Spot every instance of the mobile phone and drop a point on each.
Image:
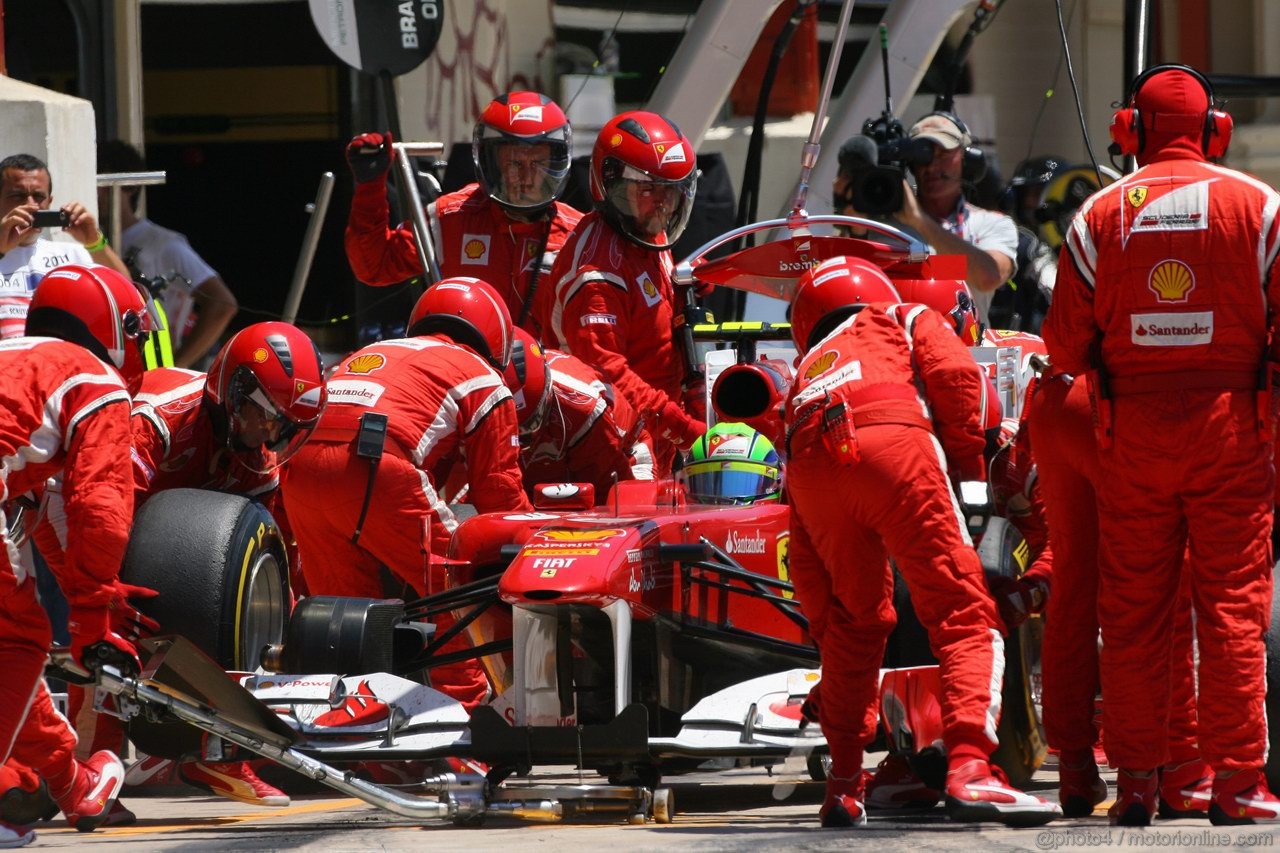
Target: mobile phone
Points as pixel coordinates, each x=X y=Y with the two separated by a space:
x=50 y=219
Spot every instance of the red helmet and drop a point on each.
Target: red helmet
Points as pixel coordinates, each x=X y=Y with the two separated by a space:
x=529 y=380
x=830 y=292
x=470 y=312
x=276 y=367
x=521 y=147
x=99 y=309
x=643 y=177
x=949 y=297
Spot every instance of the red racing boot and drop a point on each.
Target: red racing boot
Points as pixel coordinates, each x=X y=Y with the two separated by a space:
x=1136 y=797
x=843 y=808
x=1242 y=797
x=1185 y=789
x=896 y=785
x=87 y=800
x=1080 y=788
x=978 y=791
x=234 y=780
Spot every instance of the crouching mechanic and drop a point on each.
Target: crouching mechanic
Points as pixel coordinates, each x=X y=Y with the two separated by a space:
x=882 y=407
x=363 y=493
x=65 y=411
x=573 y=427
x=226 y=431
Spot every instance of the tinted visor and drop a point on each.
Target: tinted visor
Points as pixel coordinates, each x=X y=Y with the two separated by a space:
x=652 y=212
x=264 y=437
x=523 y=173
x=738 y=482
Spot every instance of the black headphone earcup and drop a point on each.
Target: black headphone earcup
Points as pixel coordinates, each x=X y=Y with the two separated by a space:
x=974 y=165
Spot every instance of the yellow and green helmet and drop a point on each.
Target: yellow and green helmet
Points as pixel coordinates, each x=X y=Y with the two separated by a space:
x=731 y=464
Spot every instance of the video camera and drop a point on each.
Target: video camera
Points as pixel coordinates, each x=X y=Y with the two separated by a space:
x=876 y=162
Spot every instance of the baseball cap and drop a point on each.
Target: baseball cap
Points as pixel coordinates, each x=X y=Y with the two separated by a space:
x=941 y=130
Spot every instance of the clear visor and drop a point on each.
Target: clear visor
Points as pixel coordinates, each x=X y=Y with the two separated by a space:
x=523 y=173
x=653 y=212
x=533 y=421
x=264 y=437
x=739 y=482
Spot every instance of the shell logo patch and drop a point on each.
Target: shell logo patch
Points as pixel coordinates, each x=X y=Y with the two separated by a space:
x=650 y=290
x=260 y=355
x=475 y=249
x=821 y=365
x=580 y=535
x=1136 y=195
x=525 y=112
x=615 y=140
x=1172 y=281
x=366 y=363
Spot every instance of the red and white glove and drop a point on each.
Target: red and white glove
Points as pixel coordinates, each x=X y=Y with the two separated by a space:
x=128 y=621
x=369 y=155
x=1018 y=599
x=94 y=644
x=677 y=427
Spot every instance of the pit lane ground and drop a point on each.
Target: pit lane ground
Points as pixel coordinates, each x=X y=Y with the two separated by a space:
x=733 y=811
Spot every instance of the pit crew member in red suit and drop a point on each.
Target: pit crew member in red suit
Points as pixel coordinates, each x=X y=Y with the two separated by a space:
x=573 y=428
x=66 y=412
x=882 y=411
x=1167 y=294
x=444 y=400
x=611 y=302
x=505 y=230
x=226 y=431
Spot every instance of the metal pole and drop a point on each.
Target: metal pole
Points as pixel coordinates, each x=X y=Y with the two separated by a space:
x=115 y=182
x=417 y=214
x=310 y=239
x=809 y=157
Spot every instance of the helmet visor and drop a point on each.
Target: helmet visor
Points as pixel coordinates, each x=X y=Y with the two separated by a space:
x=523 y=173
x=739 y=482
x=263 y=436
x=652 y=212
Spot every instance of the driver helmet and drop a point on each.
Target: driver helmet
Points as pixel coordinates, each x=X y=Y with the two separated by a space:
x=521 y=148
x=99 y=309
x=644 y=174
x=731 y=464
x=265 y=392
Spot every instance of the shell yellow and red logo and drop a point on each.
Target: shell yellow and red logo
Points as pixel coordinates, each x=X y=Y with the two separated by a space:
x=821 y=365
x=579 y=535
x=474 y=249
x=615 y=140
x=1172 y=281
x=366 y=363
x=260 y=355
x=647 y=285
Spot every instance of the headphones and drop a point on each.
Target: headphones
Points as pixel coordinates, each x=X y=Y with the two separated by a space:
x=1129 y=128
x=974 y=164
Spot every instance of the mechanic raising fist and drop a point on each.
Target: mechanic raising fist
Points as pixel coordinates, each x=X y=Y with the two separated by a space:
x=506 y=229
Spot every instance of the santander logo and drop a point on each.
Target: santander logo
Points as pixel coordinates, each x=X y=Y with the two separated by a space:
x=739 y=543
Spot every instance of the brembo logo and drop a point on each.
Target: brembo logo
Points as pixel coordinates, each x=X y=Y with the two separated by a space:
x=797 y=266
x=739 y=543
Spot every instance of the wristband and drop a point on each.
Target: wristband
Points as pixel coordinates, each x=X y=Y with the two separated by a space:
x=97 y=245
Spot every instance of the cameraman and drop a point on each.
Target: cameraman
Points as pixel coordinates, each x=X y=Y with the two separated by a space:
x=938 y=213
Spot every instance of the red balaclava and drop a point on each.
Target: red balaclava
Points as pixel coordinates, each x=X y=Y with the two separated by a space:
x=1179 y=102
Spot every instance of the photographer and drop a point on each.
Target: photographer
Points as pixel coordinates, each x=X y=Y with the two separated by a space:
x=936 y=211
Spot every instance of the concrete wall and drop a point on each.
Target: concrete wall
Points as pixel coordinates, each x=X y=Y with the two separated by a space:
x=58 y=129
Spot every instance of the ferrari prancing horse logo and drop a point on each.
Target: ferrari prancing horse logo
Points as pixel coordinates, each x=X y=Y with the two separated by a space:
x=1136 y=195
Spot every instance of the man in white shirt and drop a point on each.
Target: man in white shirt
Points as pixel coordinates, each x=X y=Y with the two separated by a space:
x=198 y=305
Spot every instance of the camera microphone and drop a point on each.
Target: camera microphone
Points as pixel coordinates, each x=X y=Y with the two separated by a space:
x=858 y=151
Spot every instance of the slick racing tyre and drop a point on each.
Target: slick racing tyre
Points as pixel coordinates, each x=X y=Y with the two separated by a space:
x=218 y=562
